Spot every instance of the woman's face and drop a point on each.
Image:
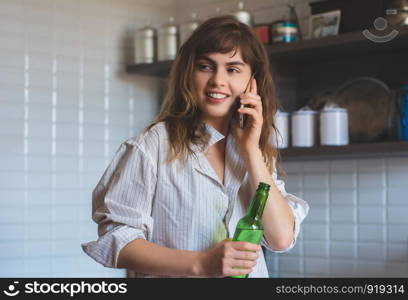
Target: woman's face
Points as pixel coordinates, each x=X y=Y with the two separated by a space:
x=219 y=79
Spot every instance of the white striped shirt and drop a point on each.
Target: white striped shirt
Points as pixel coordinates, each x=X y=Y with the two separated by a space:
x=142 y=196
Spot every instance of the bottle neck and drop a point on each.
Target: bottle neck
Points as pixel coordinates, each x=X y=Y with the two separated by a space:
x=258 y=203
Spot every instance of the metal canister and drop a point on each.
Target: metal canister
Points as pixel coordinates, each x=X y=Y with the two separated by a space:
x=242 y=15
x=168 y=41
x=145 y=44
x=186 y=29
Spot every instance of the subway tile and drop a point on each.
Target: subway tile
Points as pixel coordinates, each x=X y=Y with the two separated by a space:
x=37 y=248
x=40 y=196
x=94 y=148
x=12 y=8
x=316 y=249
x=343 y=250
x=12 y=267
x=40 y=266
x=371 y=196
x=11 y=180
x=38 y=41
x=67 y=196
x=371 y=251
x=66 y=214
x=291 y=265
x=371 y=214
x=343 y=214
x=343 y=232
x=41 y=62
x=371 y=180
x=66 y=180
x=40 y=129
x=36 y=163
x=316 y=232
x=397 y=252
x=343 y=166
x=315 y=181
x=13 y=145
x=370 y=269
x=68 y=81
x=67 y=147
x=343 y=180
x=40 y=113
x=10 y=58
x=11 y=232
x=65 y=230
x=11 y=94
x=69 y=50
x=397 y=233
x=318 y=214
x=342 y=267
x=39 y=146
x=371 y=233
x=38 y=95
x=64 y=247
x=397 y=164
x=38 y=180
x=41 y=79
x=293 y=181
x=12 y=111
x=397 y=178
x=38 y=214
x=67 y=131
x=317 y=266
x=11 y=162
x=340 y=197
x=37 y=231
x=90 y=179
x=294 y=167
x=66 y=65
x=11 y=197
x=11 y=41
x=11 y=249
x=68 y=98
x=399 y=269
x=316 y=166
x=375 y=165
x=66 y=164
x=12 y=76
x=65 y=264
x=397 y=195
x=397 y=214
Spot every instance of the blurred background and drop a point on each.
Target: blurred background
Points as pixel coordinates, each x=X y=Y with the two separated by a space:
x=72 y=88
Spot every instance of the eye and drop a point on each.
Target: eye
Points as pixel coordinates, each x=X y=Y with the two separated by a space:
x=233 y=70
x=204 y=67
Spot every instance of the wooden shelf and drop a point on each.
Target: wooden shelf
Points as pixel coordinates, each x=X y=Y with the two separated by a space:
x=368 y=150
x=332 y=47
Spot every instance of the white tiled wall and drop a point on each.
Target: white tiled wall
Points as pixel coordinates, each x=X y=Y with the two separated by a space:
x=358 y=220
x=65 y=106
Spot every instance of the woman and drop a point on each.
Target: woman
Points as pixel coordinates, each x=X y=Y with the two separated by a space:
x=171 y=198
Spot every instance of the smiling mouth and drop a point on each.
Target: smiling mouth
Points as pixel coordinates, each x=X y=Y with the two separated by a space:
x=216 y=97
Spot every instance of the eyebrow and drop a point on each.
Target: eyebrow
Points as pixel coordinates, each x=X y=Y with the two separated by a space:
x=230 y=63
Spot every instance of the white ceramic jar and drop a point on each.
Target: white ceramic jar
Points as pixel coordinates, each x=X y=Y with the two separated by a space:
x=304 y=128
x=334 y=126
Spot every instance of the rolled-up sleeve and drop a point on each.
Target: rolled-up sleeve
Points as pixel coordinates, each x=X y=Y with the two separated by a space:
x=122 y=204
x=299 y=208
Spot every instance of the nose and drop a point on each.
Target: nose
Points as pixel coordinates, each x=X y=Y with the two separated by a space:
x=219 y=78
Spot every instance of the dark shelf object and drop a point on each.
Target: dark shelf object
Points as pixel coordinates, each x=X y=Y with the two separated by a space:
x=158 y=69
x=369 y=150
x=339 y=46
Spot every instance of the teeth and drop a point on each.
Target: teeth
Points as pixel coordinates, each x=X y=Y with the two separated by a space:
x=216 y=95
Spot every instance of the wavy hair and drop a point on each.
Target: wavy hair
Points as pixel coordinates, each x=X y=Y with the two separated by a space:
x=179 y=109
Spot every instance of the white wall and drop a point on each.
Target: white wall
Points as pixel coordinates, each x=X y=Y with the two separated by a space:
x=65 y=106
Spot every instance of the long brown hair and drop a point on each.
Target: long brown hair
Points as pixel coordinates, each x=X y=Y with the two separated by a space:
x=179 y=110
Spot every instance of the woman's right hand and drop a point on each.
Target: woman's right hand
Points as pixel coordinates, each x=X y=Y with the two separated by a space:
x=228 y=258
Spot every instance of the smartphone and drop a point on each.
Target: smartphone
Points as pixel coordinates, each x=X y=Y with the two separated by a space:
x=242 y=117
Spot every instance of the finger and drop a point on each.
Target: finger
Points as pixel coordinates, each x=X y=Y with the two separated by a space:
x=254 y=87
x=250 y=95
x=246 y=255
x=251 y=112
x=254 y=103
x=243 y=264
x=246 y=246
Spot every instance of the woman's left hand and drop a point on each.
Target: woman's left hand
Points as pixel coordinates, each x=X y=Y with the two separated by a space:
x=247 y=138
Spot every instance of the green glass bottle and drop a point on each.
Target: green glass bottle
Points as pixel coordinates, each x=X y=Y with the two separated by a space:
x=250 y=227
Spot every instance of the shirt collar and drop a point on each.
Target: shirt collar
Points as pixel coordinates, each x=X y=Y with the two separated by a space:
x=215 y=135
